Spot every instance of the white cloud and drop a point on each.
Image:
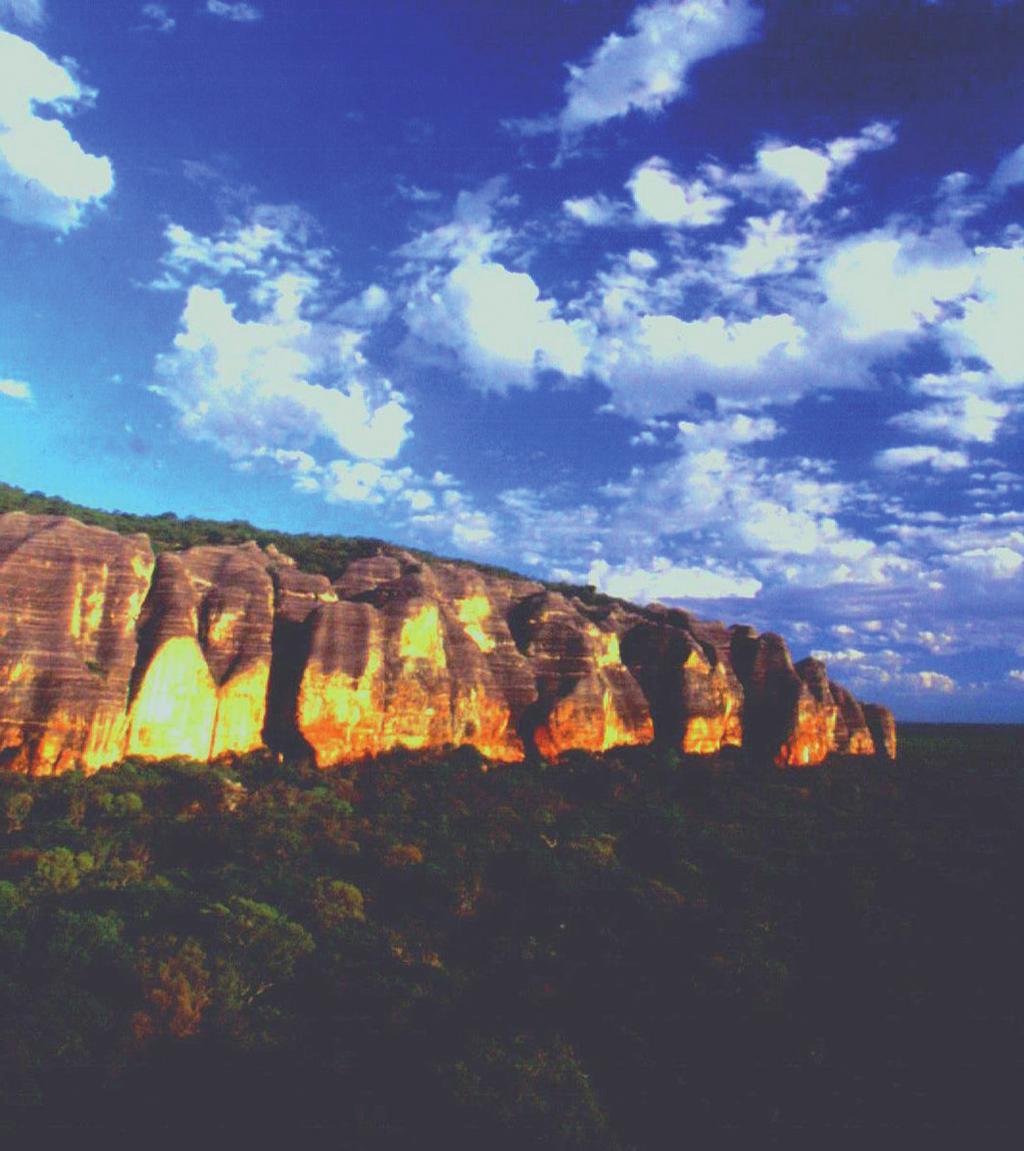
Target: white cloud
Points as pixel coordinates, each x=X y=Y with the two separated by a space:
x=886 y=283
x=1015 y=675
x=46 y=178
x=658 y=363
x=665 y=580
x=456 y=519
x=929 y=681
x=278 y=381
x=918 y=455
x=969 y=418
x=15 y=389
x=159 y=19
x=360 y=481
x=273 y=239
x=993 y=563
x=641 y=260
x=730 y=430
x=990 y=325
x=1010 y=171
x=661 y=198
x=414 y=194
x=806 y=169
x=594 y=211
x=28 y=12
x=471 y=231
x=496 y=322
x=372 y=306
x=647 y=69
x=771 y=247
x=810 y=171
x=238 y=12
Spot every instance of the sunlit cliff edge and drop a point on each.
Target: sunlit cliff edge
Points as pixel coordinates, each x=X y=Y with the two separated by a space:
x=108 y=650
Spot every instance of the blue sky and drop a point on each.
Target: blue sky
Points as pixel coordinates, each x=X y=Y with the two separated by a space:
x=716 y=302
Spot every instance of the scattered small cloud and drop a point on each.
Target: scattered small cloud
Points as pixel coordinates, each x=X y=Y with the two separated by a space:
x=664 y=580
x=647 y=69
x=238 y=12
x=595 y=211
x=158 y=18
x=414 y=194
x=662 y=198
x=15 y=390
x=921 y=455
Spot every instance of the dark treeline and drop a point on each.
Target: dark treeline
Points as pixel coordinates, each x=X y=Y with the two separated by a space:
x=327 y=555
x=627 y=951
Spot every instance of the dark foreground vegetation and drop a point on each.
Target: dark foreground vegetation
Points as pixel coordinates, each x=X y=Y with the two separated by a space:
x=620 y=952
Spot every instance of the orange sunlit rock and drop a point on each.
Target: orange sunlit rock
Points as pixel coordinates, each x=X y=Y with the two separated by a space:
x=70 y=598
x=695 y=700
x=217 y=651
x=587 y=698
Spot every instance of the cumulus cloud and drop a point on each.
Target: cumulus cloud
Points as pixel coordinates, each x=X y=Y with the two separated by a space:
x=921 y=455
x=31 y=13
x=810 y=171
x=989 y=325
x=497 y=323
x=237 y=12
x=662 y=198
x=276 y=380
x=460 y=298
x=46 y=178
x=664 y=580
x=889 y=283
x=967 y=418
x=647 y=68
x=657 y=363
x=993 y=563
x=15 y=389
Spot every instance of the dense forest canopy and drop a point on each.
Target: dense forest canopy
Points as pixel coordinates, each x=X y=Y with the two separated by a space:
x=613 y=953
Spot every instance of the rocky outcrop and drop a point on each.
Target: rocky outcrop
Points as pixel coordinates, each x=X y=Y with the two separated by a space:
x=204 y=654
x=586 y=698
x=106 y=651
x=882 y=725
x=70 y=599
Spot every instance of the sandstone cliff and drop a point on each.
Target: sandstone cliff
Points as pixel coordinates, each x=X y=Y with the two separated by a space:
x=107 y=651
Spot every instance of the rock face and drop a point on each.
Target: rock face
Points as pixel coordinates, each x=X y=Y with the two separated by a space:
x=70 y=599
x=204 y=652
x=106 y=651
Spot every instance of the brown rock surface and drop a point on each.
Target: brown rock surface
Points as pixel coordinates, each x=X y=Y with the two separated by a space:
x=853 y=737
x=200 y=683
x=696 y=701
x=214 y=651
x=783 y=716
x=586 y=697
x=882 y=725
x=70 y=598
x=419 y=656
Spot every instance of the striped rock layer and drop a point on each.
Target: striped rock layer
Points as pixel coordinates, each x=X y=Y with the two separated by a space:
x=107 y=651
